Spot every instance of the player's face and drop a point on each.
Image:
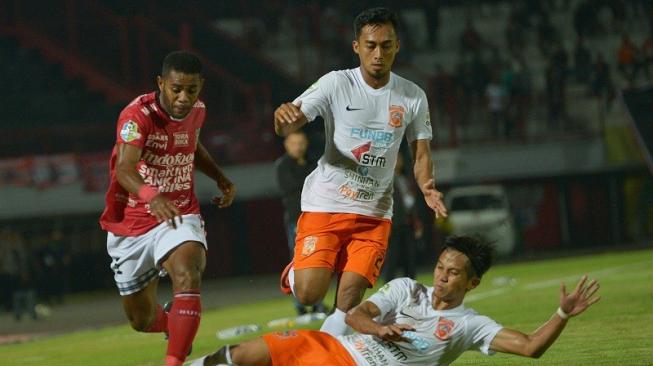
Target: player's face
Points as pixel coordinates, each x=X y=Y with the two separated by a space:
x=376 y=47
x=296 y=145
x=450 y=278
x=179 y=92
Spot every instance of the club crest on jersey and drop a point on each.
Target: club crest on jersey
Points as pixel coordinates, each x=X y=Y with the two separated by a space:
x=129 y=131
x=443 y=329
x=396 y=115
x=309 y=245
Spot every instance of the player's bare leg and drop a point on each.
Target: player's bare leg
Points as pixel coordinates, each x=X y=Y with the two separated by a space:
x=311 y=284
x=349 y=293
x=141 y=307
x=185 y=265
x=251 y=353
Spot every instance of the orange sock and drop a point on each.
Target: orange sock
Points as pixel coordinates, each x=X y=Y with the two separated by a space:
x=183 y=321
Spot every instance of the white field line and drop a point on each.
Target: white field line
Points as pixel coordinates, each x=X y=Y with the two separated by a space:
x=486 y=294
x=556 y=281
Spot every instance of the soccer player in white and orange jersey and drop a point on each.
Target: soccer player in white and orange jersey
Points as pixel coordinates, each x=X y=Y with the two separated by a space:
x=152 y=215
x=407 y=323
x=347 y=199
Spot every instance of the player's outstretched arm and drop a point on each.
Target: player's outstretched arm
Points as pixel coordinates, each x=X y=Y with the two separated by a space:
x=288 y=118
x=423 y=171
x=204 y=163
x=127 y=158
x=361 y=319
x=535 y=344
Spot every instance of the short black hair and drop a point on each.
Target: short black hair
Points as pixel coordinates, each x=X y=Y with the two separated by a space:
x=480 y=253
x=181 y=61
x=375 y=16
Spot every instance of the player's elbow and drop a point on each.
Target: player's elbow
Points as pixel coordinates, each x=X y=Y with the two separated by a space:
x=534 y=352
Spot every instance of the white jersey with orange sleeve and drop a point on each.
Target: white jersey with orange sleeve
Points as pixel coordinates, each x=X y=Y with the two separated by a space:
x=439 y=338
x=364 y=129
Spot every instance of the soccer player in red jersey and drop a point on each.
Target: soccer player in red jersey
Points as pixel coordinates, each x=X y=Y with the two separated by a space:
x=152 y=216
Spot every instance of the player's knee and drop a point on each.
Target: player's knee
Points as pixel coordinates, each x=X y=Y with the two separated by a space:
x=186 y=278
x=308 y=294
x=140 y=323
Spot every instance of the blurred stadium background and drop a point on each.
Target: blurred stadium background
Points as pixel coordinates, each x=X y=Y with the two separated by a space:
x=570 y=150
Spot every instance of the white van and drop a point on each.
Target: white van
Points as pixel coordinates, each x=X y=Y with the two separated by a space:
x=484 y=211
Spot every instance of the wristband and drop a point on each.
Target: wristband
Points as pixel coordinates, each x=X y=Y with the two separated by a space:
x=147 y=192
x=561 y=313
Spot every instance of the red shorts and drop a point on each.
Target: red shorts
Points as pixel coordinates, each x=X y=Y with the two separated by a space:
x=342 y=242
x=306 y=348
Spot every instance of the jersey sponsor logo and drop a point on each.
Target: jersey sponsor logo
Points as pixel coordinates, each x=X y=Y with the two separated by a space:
x=181 y=202
x=361 y=180
x=309 y=245
x=443 y=329
x=169 y=178
x=349 y=108
x=129 y=131
x=396 y=115
x=157 y=141
x=355 y=193
x=167 y=159
x=364 y=157
x=378 y=137
x=181 y=139
x=373 y=352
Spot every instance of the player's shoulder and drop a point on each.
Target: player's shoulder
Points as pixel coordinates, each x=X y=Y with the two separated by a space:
x=140 y=108
x=408 y=284
x=408 y=87
x=473 y=318
x=340 y=77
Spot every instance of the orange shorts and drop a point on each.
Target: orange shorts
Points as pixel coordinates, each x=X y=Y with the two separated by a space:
x=306 y=348
x=342 y=242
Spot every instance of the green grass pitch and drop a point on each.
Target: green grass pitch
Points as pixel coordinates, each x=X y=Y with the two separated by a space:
x=618 y=330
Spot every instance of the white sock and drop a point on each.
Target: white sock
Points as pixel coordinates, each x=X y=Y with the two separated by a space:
x=334 y=324
x=291 y=279
x=198 y=362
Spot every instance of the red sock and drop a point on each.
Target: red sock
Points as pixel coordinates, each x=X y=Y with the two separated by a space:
x=183 y=321
x=160 y=322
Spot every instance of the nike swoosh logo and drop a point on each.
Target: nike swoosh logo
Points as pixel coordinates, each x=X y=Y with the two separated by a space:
x=353 y=109
x=406 y=315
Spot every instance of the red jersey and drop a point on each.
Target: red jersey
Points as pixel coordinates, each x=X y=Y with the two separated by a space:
x=168 y=150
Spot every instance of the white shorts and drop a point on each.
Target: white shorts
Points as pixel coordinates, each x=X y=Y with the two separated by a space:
x=136 y=258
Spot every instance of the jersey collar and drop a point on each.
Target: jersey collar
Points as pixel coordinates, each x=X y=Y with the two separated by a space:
x=369 y=89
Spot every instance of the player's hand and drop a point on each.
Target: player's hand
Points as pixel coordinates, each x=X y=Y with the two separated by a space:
x=228 y=190
x=287 y=114
x=393 y=332
x=164 y=210
x=433 y=199
x=581 y=298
